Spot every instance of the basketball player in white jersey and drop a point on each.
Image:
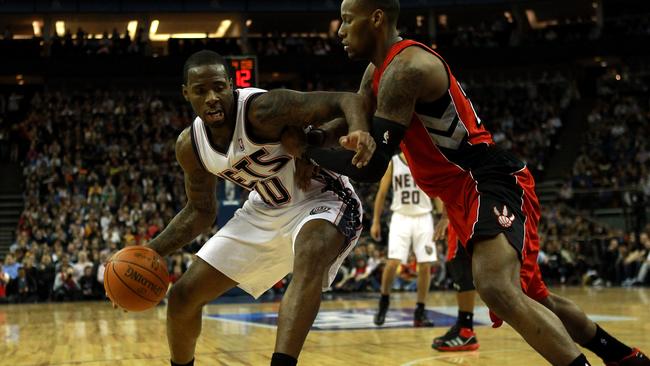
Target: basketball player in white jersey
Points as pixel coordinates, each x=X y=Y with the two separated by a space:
x=280 y=229
x=411 y=225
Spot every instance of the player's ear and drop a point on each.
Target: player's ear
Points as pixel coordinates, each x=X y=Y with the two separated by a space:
x=185 y=93
x=377 y=17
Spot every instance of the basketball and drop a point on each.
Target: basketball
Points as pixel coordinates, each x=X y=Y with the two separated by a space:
x=136 y=278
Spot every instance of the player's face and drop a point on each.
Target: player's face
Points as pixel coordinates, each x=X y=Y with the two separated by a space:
x=209 y=91
x=356 y=30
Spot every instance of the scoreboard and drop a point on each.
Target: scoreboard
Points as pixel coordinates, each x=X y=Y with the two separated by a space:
x=244 y=71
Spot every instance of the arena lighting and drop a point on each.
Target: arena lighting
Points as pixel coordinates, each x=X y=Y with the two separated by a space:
x=154 y=26
x=60 y=28
x=249 y=22
x=131 y=28
x=223 y=28
x=186 y=35
x=38 y=31
x=221 y=31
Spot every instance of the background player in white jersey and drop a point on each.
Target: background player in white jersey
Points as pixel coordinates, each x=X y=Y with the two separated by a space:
x=411 y=225
x=279 y=229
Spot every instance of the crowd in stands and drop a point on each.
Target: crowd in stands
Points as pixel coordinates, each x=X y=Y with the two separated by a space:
x=488 y=34
x=525 y=112
x=575 y=250
x=615 y=151
x=108 y=44
x=100 y=174
x=495 y=32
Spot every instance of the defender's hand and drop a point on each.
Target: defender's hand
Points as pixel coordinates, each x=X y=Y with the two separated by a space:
x=361 y=142
x=294 y=141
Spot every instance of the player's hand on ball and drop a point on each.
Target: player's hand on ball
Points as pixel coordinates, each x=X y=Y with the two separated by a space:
x=304 y=172
x=294 y=141
x=362 y=143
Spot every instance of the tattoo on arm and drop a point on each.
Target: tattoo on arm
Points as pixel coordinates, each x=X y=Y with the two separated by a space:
x=398 y=92
x=200 y=210
x=287 y=107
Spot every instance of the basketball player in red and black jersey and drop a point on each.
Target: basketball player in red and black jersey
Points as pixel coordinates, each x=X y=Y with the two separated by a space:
x=420 y=107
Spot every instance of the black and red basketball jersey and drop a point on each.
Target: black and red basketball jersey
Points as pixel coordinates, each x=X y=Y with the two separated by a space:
x=446 y=140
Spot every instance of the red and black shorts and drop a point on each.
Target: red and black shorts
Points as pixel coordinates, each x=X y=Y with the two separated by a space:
x=502 y=203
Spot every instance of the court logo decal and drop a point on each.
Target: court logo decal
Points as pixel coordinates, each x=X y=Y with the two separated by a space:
x=357 y=319
x=348 y=319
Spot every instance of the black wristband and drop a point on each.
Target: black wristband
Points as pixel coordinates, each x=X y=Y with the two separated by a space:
x=387 y=134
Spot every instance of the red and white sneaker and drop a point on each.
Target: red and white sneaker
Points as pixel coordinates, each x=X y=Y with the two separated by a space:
x=636 y=358
x=455 y=340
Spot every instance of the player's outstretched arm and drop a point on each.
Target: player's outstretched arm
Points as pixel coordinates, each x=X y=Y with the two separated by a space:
x=401 y=85
x=199 y=212
x=271 y=112
x=380 y=198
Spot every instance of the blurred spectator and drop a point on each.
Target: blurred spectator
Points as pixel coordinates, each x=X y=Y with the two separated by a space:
x=22 y=288
x=88 y=284
x=65 y=287
x=4 y=281
x=11 y=266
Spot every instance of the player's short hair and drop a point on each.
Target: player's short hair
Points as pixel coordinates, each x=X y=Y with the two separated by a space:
x=204 y=57
x=390 y=8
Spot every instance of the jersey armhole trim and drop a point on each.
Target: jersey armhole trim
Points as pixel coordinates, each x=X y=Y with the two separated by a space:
x=196 y=148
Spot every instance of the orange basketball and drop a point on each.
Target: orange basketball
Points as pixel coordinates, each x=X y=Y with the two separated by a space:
x=136 y=278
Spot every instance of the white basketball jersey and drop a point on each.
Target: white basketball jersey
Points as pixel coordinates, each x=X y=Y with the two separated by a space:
x=266 y=169
x=408 y=198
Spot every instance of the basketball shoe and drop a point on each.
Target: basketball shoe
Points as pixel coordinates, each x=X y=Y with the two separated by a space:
x=420 y=318
x=456 y=339
x=380 y=316
x=636 y=358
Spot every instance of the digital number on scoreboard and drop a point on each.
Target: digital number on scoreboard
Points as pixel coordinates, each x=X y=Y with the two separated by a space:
x=244 y=69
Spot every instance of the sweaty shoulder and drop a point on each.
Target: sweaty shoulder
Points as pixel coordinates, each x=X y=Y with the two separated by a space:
x=422 y=69
x=185 y=153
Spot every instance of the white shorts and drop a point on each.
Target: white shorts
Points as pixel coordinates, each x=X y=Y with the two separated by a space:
x=256 y=247
x=406 y=230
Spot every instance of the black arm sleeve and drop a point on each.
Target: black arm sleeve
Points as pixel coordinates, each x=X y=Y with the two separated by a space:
x=387 y=135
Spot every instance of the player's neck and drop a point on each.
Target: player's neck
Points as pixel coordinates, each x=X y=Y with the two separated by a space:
x=382 y=50
x=221 y=135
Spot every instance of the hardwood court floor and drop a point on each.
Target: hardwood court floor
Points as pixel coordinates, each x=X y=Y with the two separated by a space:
x=93 y=334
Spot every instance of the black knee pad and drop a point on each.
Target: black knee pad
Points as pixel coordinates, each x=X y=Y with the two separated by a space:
x=460 y=268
